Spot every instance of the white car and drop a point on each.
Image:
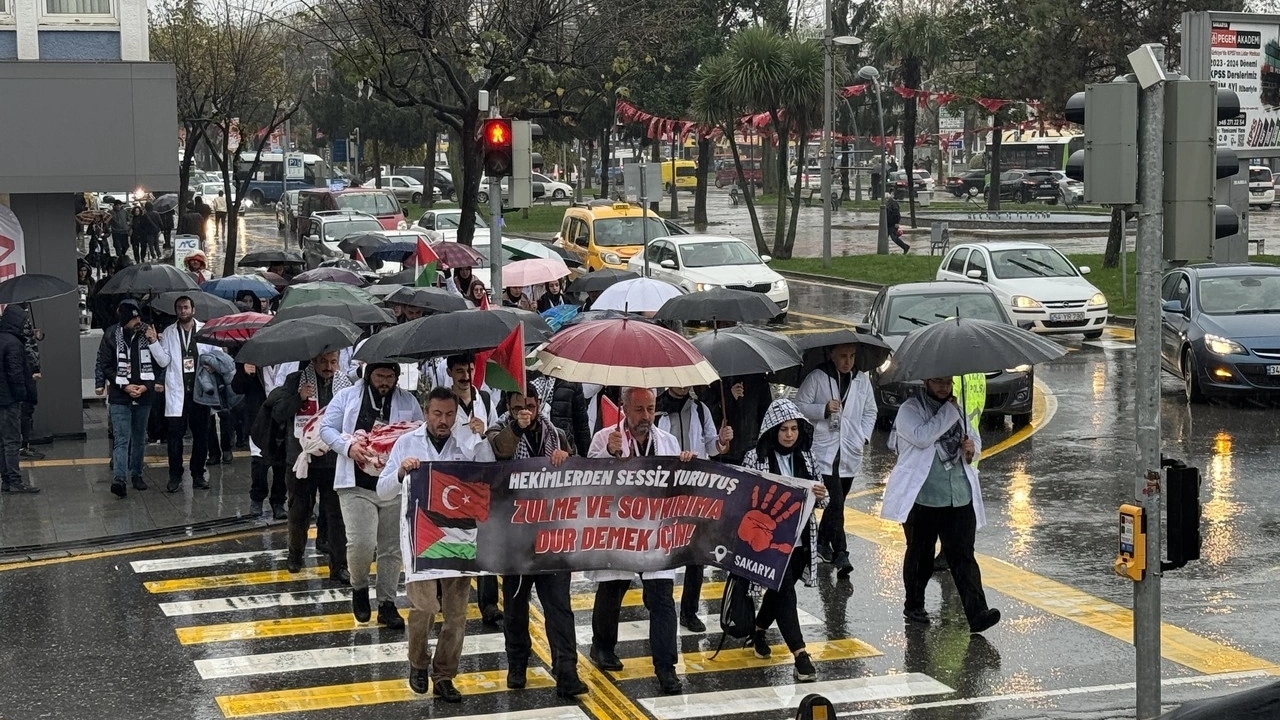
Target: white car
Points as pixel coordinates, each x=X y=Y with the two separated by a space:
x=1043 y=291
x=407 y=189
x=703 y=262
x=1262 y=189
x=556 y=189
x=210 y=190
x=446 y=220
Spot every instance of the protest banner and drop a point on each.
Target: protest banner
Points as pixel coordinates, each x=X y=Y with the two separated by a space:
x=637 y=514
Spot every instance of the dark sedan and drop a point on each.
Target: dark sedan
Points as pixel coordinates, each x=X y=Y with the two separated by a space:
x=971 y=183
x=1025 y=186
x=1221 y=329
x=899 y=309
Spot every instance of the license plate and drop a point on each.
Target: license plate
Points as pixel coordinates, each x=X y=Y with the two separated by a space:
x=1065 y=317
x=1273 y=369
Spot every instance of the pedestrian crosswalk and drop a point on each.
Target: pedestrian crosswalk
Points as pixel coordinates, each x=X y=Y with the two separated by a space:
x=267 y=642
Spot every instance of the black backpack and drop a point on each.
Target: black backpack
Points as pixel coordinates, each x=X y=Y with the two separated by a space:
x=737 y=611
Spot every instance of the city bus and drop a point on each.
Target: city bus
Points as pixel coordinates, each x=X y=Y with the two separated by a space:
x=1037 y=152
x=267 y=184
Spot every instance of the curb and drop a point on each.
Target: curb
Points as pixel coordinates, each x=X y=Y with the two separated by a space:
x=147 y=538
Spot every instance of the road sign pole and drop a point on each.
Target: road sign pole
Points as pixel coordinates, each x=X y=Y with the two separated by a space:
x=1150 y=250
x=495 y=238
x=644 y=211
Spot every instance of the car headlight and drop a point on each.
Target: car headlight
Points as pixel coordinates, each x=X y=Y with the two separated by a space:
x=705 y=286
x=1098 y=300
x=1219 y=345
x=611 y=258
x=780 y=285
x=1018 y=369
x=1022 y=301
x=402 y=225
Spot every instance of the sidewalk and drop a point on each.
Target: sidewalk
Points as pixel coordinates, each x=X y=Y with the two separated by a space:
x=75 y=508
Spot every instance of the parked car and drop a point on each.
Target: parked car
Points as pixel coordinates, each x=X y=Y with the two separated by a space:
x=287 y=213
x=406 y=188
x=1075 y=187
x=1262 y=189
x=443 y=181
x=322 y=230
x=971 y=183
x=727 y=173
x=381 y=204
x=1220 y=329
x=899 y=309
x=445 y=221
x=604 y=234
x=1042 y=289
x=537 y=189
x=1024 y=186
x=704 y=262
x=922 y=179
x=556 y=189
x=208 y=191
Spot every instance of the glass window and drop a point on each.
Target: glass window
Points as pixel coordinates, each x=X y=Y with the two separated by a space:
x=956 y=265
x=654 y=252
x=713 y=254
x=1030 y=263
x=667 y=252
x=1166 y=287
x=911 y=312
x=343 y=228
x=977 y=261
x=373 y=203
x=1239 y=294
x=1256 y=174
x=77 y=7
x=621 y=232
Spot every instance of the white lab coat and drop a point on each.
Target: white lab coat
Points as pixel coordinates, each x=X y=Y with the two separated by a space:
x=466 y=439
x=167 y=351
x=339 y=425
x=702 y=438
x=664 y=444
x=273 y=376
x=915 y=437
x=415 y=444
x=857 y=420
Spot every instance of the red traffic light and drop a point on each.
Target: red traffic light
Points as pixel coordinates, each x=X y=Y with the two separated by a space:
x=495 y=144
x=496 y=133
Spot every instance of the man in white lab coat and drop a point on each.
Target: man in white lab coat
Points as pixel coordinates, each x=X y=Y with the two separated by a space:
x=636 y=436
x=838 y=400
x=179 y=354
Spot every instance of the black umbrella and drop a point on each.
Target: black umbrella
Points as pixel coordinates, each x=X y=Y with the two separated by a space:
x=208 y=305
x=437 y=336
x=1260 y=703
x=364 y=242
x=408 y=277
x=964 y=345
x=599 y=280
x=358 y=314
x=432 y=299
x=297 y=340
x=536 y=329
x=871 y=354
x=741 y=354
x=267 y=258
x=719 y=304
x=148 y=279
x=354 y=266
x=165 y=203
x=31 y=287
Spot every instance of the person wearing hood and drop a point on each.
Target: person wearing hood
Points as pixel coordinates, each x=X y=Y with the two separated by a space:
x=372 y=522
x=16 y=376
x=196 y=264
x=838 y=400
x=786 y=437
x=553 y=297
x=933 y=491
x=126 y=374
x=514 y=297
x=178 y=353
x=461 y=281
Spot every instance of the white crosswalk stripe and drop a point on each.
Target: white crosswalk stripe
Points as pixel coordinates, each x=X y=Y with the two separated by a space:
x=200 y=561
x=785 y=697
x=260 y=602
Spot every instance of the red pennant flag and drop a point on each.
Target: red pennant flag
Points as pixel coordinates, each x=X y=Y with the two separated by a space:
x=428 y=263
x=484 y=301
x=449 y=497
x=992 y=105
x=610 y=415
x=425 y=533
x=503 y=366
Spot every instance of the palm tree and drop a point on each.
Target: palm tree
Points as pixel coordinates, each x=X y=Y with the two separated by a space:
x=802 y=97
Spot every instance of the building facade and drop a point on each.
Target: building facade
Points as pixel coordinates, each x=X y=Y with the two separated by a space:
x=83 y=30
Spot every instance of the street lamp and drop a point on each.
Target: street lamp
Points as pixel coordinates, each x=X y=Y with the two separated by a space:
x=872 y=75
x=829 y=43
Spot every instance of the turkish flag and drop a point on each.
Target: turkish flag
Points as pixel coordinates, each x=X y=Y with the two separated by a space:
x=449 y=497
x=610 y=415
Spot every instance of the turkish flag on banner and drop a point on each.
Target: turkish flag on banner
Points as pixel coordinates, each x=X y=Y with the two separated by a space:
x=449 y=497
x=13 y=256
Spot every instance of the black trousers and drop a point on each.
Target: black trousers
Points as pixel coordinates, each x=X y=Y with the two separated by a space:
x=780 y=605
x=28 y=421
x=487 y=591
x=658 y=601
x=196 y=416
x=121 y=241
x=258 y=491
x=302 y=496
x=893 y=235
x=956 y=526
x=692 y=595
x=553 y=593
x=831 y=528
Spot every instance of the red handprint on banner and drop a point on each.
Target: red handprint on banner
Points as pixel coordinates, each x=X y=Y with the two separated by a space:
x=760 y=523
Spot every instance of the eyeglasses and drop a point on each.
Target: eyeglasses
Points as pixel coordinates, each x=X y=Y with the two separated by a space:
x=531 y=405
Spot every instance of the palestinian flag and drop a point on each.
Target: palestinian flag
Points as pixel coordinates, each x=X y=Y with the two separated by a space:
x=437 y=543
x=503 y=366
x=427 y=262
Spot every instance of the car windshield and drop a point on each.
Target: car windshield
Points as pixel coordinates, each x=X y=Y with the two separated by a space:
x=1030 y=263
x=212 y=189
x=373 y=203
x=912 y=312
x=624 y=231
x=1240 y=295
x=1260 y=175
x=449 y=221
x=712 y=254
x=342 y=228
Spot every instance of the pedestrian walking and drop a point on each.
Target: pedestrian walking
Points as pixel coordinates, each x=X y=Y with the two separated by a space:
x=154 y=226
x=934 y=492
x=15 y=379
x=786 y=437
x=893 y=223
x=528 y=434
x=433 y=442
x=248 y=382
x=372 y=522
x=636 y=436
x=838 y=400
x=121 y=226
x=32 y=336
x=178 y=353
x=220 y=213
x=126 y=374
x=138 y=234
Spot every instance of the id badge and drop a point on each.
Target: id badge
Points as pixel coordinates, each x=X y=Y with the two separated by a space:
x=188 y=365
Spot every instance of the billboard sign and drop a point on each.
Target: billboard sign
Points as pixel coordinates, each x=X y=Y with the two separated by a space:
x=1240 y=52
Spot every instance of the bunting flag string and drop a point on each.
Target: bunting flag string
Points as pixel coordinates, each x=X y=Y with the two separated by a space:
x=991 y=105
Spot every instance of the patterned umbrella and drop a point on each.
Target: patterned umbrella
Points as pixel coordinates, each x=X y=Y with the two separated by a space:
x=625 y=353
x=232 y=330
x=231 y=286
x=456 y=255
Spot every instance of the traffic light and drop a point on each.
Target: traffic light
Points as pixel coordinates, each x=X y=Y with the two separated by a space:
x=1182 y=496
x=1192 y=166
x=1108 y=165
x=495 y=142
x=520 y=194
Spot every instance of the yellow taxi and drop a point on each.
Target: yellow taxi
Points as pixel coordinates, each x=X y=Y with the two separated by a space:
x=605 y=234
x=685 y=172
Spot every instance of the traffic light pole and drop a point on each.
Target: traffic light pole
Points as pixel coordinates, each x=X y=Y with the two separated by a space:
x=495 y=238
x=1150 y=250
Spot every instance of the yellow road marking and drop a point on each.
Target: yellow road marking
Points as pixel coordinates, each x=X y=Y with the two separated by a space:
x=824 y=318
x=150 y=461
x=128 y=551
x=262 y=577
x=1044 y=405
x=283 y=627
x=604 y=700
x=1121 y=333
x=745 y=658
x=635 y=597
x=328 y=697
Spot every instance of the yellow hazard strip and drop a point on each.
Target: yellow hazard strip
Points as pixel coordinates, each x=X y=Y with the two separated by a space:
x=635 y=597
x=745 y=658
x=822 y=318
x=150 y=461
x=1178 y=645
x=329 y=697
x=1121 y=333
x=283 y=627
x=263 y=577
x=1044 y=405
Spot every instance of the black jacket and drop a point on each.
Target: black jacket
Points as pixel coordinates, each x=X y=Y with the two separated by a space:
x=285 y=402
x=14 y=375
x=744 y=415
x=569 y=413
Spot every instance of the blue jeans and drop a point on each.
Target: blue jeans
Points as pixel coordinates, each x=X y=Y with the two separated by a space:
x=129 y=428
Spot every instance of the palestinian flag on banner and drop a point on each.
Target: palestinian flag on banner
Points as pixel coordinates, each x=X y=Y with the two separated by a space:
x=427 y=263
x=437 y=543
x=503 y=366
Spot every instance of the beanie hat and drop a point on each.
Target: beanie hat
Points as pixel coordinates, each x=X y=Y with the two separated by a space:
x=127 y=311
x=393 y=367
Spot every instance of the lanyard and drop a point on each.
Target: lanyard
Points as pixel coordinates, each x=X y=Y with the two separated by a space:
x=378 y=407
x=635 y=449
x=186 y=336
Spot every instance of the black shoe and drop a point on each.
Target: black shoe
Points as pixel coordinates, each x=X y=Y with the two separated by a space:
x=517 y=677
x=387 y=614
x=294 y=564
x=445 y=690
x=669 y=681
x=843 y=567
x=242 y=445
x=214 y=461
x=117 y=488
x=360 y=605
x=255 y=508
x=226 y=458
x=985 y=621
x=804 y=670
x=419 y=680
x=760 y=644
x=693 y=623
x=199 y=483
x=571 y=687
x=605 y=659
x=278 y=512
x=174 y=486
x=139 y=483
x=491 y=616
x=824 y=552
x=919 y=616
x=341 y=576
x=940 y=563
x=27 y=453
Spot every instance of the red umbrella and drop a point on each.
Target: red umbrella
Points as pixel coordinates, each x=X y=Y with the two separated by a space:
x=625 y=353
x=330 y=274
x=232 y=330
x=456 y=255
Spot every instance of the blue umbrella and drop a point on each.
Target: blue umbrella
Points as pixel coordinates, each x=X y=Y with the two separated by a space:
x=232 y=286
x=557 y=316
x=393 y=251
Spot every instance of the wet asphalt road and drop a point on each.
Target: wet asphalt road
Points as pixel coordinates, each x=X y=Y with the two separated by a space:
x=91 y=639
